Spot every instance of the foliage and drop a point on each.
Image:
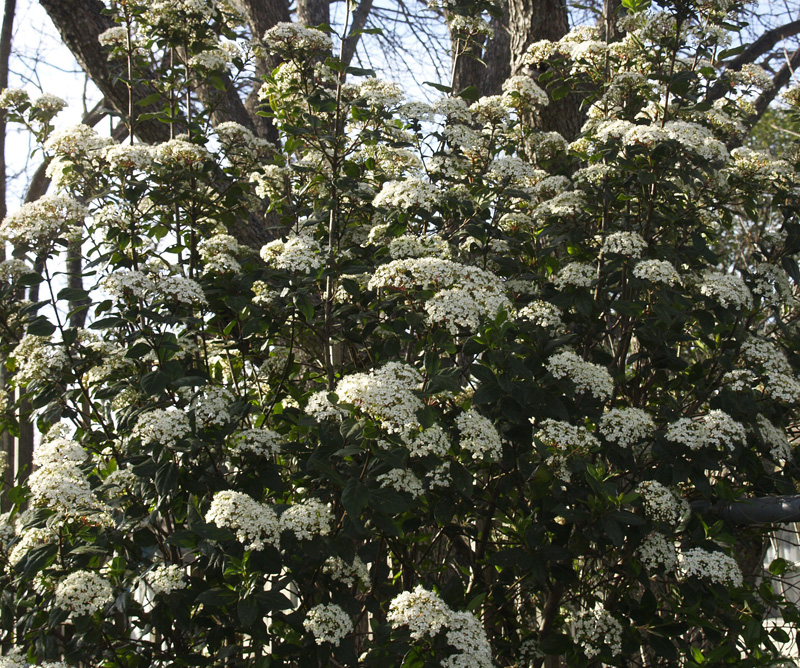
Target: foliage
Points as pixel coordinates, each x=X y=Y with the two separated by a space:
x=453 y=414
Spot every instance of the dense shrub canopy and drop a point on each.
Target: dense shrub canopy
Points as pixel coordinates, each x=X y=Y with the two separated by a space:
x=454 y=414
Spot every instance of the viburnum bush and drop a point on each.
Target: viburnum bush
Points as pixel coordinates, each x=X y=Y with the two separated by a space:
x=463 y=410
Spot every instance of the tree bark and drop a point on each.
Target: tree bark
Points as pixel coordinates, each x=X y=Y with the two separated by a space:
x=80 y=22
x=7 y=445
x=313 y=12
x=530 y=21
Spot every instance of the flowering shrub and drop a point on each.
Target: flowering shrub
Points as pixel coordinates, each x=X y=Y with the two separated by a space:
x=452 y=412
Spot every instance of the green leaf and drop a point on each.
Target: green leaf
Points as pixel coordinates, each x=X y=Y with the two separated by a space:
x=440 y=87
x=355 y=497
x=154 y=382
x=247 y=610
x=73 y=294
x=304 y=305
x=41 y=326
x=560 y=93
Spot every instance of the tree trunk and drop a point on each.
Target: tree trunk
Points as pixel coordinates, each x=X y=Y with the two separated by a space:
x=530 y=21
x=313 y=12
x=6 y=439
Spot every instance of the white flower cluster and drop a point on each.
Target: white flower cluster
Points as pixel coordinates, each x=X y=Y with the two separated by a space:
x=76 y=142
x=775 y=438
x=478 y=435
x=385 y=394
x=29 y=539
x=780 y=383
x=63 y=487
x=748 y=163
x=379 y=93
x=123 y=284
x=211 y=406
x=128 y=157
x=727 y=289
x=661 y=504
x=428 y=245
x=260 y=442
x=254 y=523
x=328 y=622
x=544 y=314
x=408 y=194
x=564 y=440
x=219 y=254
x=430 y=441
x=294 y=36
x=38 y=359
x=402 y=480
x=469 y=25
x=626 y=426
x=575 y=274
x=307 y=519
x=83 y=593
x=656 y=551
x=714 y=429
x=165 y=579
x=565 y=204
x=180 y=153
x=587 y=377
x=37 y=224
x=425 y=614
x=716 y=567
x=465 y=295
x=522 y=92
x=596 y=629
x=300 y=253
x=656 y=271
x=163 y=426
x=55 y=450
x=752 y=76
x=348 y=574
x=629 y=244
x=697 y=139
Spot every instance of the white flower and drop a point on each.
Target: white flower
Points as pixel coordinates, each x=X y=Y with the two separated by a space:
x=775 y=438
x=422 y=611
x=166 y=578
x=39 y=359
x=219 y=254
x=56 y=450
x=300 y=253
x=347 y=574
x=661 y=504
x=478 y=435
x=402 y=480
x=575 y=274
x=379 y=93
x=716 y=567
x=178 y=152
x=386 y=394
x=564 y=440
x=76 y=141
x=430 y=441
x=410 y=193
x=595 y=629
x=328 y=622
x=656 y=271
x=163 y=426
x=254 y=523
x=128 y=156
x=49 y=103
x=429 y=245
x=543 y=314
x=727 y=289
x=180 y=289
x=626 y=426
x=307 y=519
x=586 y=376
x=426 y=614
x=63 y=487
x=657 y=552
x=261 y=442
x=83 y=593
x=629 y=244
x=523 y=92
x=295 y=36
x=211 y=406
x=37 y=224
